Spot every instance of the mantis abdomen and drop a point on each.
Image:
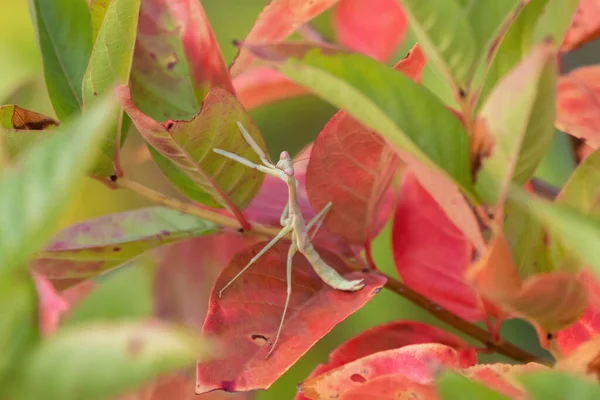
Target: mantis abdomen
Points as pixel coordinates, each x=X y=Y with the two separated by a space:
x=327 y=273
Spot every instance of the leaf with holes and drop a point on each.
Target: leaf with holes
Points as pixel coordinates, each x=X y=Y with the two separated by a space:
x=110 y=65
x=585 y=26
x=42 y=185
x=520 y=126
x=352 y=167
x=246 y=318
x=64 y=35
x=443 y=30
x=276 y=22
x=89 y=248
x=176 y=61
x=430 y=253
x=578 y=104
x=201 y=174
x=405 y=114
x=416 y=362
x=354 y=28
x=390 y=336
x=134 y=352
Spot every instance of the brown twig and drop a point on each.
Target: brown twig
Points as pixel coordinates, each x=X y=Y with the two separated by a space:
x=392 y=284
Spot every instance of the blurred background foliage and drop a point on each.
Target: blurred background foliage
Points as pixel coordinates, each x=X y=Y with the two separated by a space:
x=288 y=125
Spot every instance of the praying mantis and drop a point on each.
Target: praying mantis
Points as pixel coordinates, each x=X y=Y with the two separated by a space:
x=291 y=221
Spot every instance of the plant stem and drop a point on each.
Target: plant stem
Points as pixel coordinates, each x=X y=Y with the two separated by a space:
x=392 y=284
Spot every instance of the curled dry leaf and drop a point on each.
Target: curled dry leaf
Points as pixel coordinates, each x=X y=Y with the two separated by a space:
x=15 y=117
x=584 y=27
x=352 y=167
x=246 y=318
x=386 y=337
x=277 y=21
x=549 y=301
x=587 y=326
x=354 y=27
x=430 y=252
x=419 y=363
x=578 y=104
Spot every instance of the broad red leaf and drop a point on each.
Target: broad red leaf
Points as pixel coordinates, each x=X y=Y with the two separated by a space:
x=176 y=59
x=391 y=387
x=502 y=377
x=584 y=359
x=585 y=25
x=588 y=325
x=550 y=301
x=390 y=336
x=262 y=86
x=51 y=305
x=355 y=26
x=418 y=363
x=578 y=104
x=185 y=150
x=247 y=317
x=430 y=253
x=277 y=21
x=352 y=167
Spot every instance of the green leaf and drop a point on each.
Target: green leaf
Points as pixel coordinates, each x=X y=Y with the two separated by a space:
x=184 y=150
x=453 y=386
x=539 y=20
x=110 y=65
x=64 y=35
x=35 y=193
x=98 y=11
x=446 y=36
x=578 y=233
x=403 y=112
x=101 y=360
x=125 y=292
x=555 y=385
x=519 y=118
x=18 y=322
x=91 y=247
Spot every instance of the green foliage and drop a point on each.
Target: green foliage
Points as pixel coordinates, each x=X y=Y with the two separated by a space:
x=555 y=385
x=453 y=386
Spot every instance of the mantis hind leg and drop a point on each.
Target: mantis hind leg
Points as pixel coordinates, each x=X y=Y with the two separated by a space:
x=291 y=252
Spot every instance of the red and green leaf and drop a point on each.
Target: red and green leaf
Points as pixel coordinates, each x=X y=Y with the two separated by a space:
x=247 y=316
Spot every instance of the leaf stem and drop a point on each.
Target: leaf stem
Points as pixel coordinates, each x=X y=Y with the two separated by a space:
x=392 y=284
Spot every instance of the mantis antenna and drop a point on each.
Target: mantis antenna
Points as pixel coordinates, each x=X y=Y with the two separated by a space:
x=291 y=221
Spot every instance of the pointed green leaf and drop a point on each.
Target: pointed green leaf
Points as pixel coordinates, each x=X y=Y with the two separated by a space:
x=64 y=35
x=519 y=118
x=386 y=101
x=110 y=65
x=446 y=36
x=35 y=193
x=184 y=150
x=555 y=385
x=101 y=360
x=91 y=247
x=98 y=11
x=453 y=386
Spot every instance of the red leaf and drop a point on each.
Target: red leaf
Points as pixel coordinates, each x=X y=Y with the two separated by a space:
x=418 y=363
x=391 y=336
x=430 y=252
x=247 y=317
x=391 y=387
x=578 y=104
x=51 y=305
x=585 y=25
x=277 y=21
x=588 y=325
x=262 y=86
x=353 y=22
x=585 y=359
x=172 y=32
x=502 y=377
x=352 y=167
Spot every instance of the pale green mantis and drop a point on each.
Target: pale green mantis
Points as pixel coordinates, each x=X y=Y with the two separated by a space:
x=291 y=221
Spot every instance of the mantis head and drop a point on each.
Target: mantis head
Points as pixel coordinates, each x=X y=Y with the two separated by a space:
x=285 y=163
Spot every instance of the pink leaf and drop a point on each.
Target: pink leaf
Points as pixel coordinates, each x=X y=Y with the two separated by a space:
x=430 y=252
x=277 y=21
x=585 y=25
x=246 y=318
x=353 y=22
x=258 y=87
x=391 y=336
x=51 y=305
